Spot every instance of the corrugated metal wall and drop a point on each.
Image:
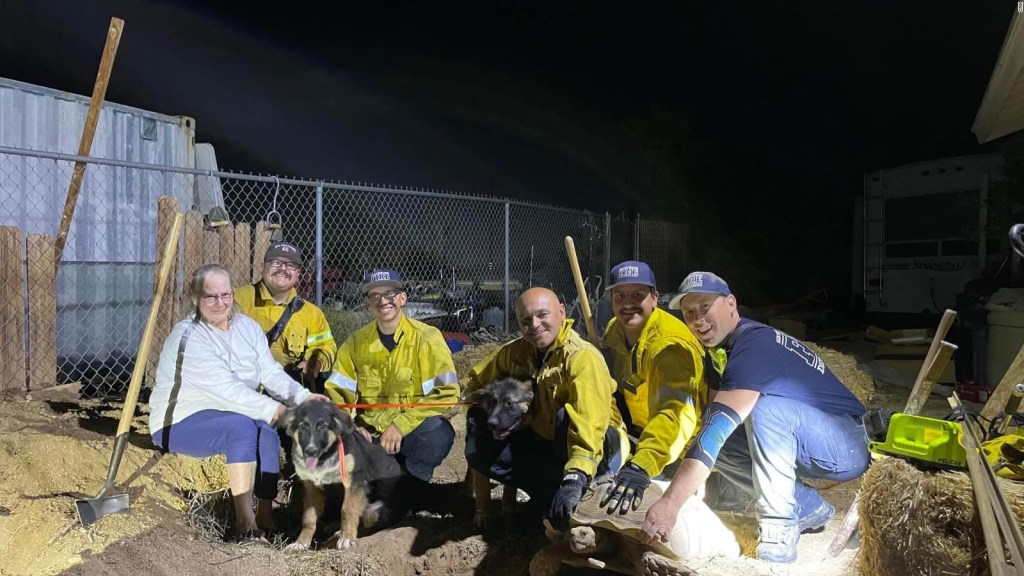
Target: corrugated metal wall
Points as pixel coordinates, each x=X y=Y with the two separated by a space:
x=105 y=281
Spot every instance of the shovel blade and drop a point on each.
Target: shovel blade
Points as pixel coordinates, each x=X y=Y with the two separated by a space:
x=92 y=509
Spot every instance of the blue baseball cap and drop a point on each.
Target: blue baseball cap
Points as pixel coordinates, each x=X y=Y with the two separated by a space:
x=700 y=283
x=381 y=277
x=631 y=272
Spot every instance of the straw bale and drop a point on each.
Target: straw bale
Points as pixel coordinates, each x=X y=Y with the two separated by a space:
x=915 y=522
x=469 y=357
x=845 y=368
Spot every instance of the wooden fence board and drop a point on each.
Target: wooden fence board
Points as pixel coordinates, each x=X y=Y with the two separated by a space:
x=261 y=242
x=12 y=309
x=243 y=261
x=42 y=312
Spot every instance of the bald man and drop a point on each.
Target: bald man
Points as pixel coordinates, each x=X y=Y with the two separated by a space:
x=576 y=432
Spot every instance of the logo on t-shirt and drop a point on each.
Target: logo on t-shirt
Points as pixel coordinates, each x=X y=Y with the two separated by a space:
x=800 y=349
x=629 y=272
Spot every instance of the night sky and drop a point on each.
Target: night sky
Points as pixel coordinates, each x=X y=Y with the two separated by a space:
x=752 y=122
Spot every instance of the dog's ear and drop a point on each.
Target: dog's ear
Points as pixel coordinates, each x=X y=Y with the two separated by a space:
x=474 y=397
x=286 y=420
x=343 y=424
x=527 y=386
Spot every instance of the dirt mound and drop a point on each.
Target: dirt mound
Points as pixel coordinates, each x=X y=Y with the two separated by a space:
x=55 y=448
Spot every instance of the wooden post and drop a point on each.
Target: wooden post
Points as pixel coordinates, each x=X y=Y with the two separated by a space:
x=260 y=244
x=242 y=253
x=227 y=251
x=42 y=312
x=996 y=403
x=12 y=309
x=167 y=214
x=99 y=92
x=919 y=395
x=211 y=247
x=195 y=242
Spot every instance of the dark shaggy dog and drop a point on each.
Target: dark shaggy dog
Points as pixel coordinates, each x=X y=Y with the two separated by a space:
x=317 y=429
x=498 y=409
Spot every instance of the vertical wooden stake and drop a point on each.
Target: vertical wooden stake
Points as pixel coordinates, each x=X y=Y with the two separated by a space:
x=12 y=309
x=42 y=312
x=99 y=92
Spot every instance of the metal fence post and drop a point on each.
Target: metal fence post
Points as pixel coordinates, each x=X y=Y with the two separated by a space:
x=320 y=243
x=607 y=243
x=507 y=263
x=636 y=238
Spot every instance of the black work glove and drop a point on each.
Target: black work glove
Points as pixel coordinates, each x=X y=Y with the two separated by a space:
x=627 y=491
x=568 y=496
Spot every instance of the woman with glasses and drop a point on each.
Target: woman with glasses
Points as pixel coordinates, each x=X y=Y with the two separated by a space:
x=206 y=399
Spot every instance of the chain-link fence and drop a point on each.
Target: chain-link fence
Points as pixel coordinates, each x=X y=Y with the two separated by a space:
x=464 y=258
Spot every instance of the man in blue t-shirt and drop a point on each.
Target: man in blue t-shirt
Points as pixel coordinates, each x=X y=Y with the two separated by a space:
x=791 y=416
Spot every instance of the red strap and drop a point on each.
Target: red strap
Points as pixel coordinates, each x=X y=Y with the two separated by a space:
x=341 y=458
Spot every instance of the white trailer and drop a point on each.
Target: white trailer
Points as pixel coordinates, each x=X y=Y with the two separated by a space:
x=921 y=232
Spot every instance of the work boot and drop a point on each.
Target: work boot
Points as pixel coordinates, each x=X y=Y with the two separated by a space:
x=816 y=520
x=777 y=543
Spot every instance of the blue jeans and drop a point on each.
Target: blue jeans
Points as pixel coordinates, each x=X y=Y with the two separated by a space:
x=426 y=447
x=240 y=438
x=535 y=465
x=784 y=440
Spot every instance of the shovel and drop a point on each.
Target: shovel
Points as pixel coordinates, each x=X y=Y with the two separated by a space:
x=92 y=509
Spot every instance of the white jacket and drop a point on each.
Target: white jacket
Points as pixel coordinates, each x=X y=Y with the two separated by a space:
x=220 y=371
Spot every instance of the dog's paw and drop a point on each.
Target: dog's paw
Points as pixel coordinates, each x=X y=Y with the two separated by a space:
x=373 y=515
x=345 y=543
x=296 y=547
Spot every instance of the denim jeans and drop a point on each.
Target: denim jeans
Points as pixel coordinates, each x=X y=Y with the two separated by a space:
x=784 y=440
x=238 y=437
x=529 y=462
x=426 y=447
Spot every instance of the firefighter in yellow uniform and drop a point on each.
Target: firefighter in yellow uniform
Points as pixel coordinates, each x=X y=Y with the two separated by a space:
x=303 y=345
x=575 y=432
x=398 y=362
x=659 y=367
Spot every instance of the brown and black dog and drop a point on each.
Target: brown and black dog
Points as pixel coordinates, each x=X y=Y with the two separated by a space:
x=316 y=430
x=498 y=409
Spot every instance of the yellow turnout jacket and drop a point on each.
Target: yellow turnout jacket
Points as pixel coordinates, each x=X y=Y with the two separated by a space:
x=662 y=381
x=418 y=370
x=307 y=332
x=572 y=374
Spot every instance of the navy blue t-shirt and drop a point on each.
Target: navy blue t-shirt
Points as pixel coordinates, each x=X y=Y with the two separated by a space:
x=769 y=361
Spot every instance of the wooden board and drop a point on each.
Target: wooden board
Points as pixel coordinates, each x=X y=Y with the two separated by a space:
x=193 y=254
x=243 y=261
x=12 y=309
x=261 y=242
x=226 y=258
x=42 y=312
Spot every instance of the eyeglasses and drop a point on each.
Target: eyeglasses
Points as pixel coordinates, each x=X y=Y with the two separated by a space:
x=388 y=296
x=289 y=266
x=210 y=299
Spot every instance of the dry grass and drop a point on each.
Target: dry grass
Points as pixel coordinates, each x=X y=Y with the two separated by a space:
x=845 y=368
x=925 y=523
x=467 y=358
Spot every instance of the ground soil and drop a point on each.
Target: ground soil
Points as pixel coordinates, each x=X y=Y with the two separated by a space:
x=55 y=448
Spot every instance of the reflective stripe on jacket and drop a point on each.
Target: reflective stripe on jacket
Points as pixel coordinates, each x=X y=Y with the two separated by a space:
x=662 y=381
x=419 y=369
x=306 y=333
x=572 y=374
